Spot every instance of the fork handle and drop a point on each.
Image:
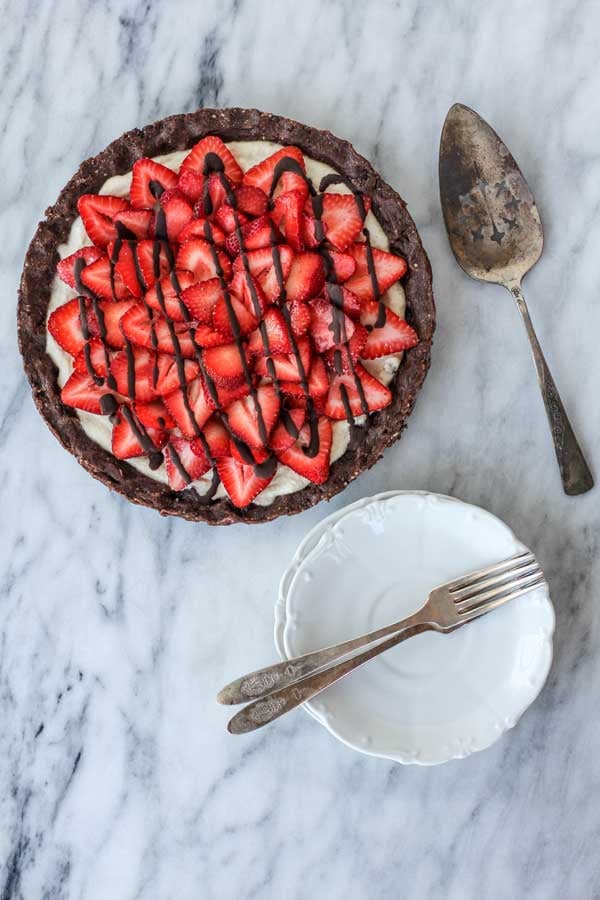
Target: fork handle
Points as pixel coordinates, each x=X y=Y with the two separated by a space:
x=574 y=470
x=279 y=675
x=261 y=712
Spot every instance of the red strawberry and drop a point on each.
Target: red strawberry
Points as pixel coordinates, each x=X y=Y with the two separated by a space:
x=154 y=415
x=97 y=212
x=97 y=358
x=277 y=335
x=138 y=363
x=137 y=326
x=197 y=228
x=262 y=268
x=342 y=219
x=388 y=269
x=196 y=158
x=66 y=266
x=197 y=256
x=261 y=175
x=167 y=297
x=147 y=263
x=191 y=420
x=318 y=386
x=241 y=315
x=251 y=200
x=191 y=184
x=216 y=436
x=258 y=454
x=126 y=443
x=315 y=468
x=145 y=173
x=281 y=438
x=306 y=276
x=97 y=277
x=178 y=213
x=228 y=219
x=329 y=326
x=112 y=313
x=350 y=302
x=287 y=214
x=201 y=299
x=299 y=317
x=253 y=299
x=394 y=335
x=240 y=481
x=227 y=396
x=180 y=455
x=126 y=269
x=308 y=232
x=224 y=364
x=207 y=336
x=244 y=419
x=64 y=325
x=138 y=222
x=255 y=234
x=217 y=195
x=168 y=373
x=81 y=392
x=286 y=367
x=344 y=265
x=337 y=357
x=377 y=396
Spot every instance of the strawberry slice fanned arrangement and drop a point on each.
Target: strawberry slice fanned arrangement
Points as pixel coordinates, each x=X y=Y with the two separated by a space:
x=222 y=319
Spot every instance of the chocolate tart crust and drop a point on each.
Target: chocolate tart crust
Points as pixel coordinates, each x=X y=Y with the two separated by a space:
x=181 y=132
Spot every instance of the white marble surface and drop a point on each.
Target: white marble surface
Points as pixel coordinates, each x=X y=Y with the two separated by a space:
x=117 y=778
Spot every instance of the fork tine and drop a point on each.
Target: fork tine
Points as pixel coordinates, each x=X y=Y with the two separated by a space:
x=475 y=612
x=502 y=577
x=477 y=601
x=473 y=577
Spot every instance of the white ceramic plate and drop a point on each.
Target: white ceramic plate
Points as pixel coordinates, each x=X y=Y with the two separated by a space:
x=434 y=697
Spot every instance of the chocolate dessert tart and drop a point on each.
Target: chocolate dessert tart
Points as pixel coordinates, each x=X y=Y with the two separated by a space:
x=226 y=316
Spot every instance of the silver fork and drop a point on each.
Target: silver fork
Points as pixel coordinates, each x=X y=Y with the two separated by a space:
x=279 y=688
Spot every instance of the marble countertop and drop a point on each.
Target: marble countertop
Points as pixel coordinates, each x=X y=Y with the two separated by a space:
x=117 y=777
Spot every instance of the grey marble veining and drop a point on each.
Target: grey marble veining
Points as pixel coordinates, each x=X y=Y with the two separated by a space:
x=117 y=778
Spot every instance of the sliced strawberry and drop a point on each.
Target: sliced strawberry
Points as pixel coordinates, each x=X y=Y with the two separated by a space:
x=228 y=219
x=127 y=269
x=163 y=296
x=318 y=386
x=255 y=234
x=224 y=365
x=138 y=222
x=197 y=256
x=64 y=325
x=207 y=336
x=126 y=442
x=217 y=195
x=299 y=317
x=97 y=359
x=196 y=159
x=315 y=468
x=112 y=313
x=259 y=455
x=191 y=420
x=244 y=419
x=287 y=214
x=286 y=367
x=342 y=219
x=121 y=369
x=308 y=231
x=341 y=357
x=81 y=392
x=154 y=415
x=329 y=326
x=240 y=481
x=277 y=336
x=261 y=175
x=137 y=325
x=281 y=438
x=197 y=228
x=146 y=172
x=227 y=396
x=251 y=200
x=249 y=291
x=97 y=277
x=191 y=184
x=180 y=455
x=178 y=212
x=147 y=262
x=97 y=212
x=306 y=276
x=394 y=335
x=168 y=379
x=217 y=438
x=262 y=268
x=376 y=394
x=388 y=269
x=243 y=320
x=349 y=301
x=201 y=299
x=66 y=266
x=344 y=265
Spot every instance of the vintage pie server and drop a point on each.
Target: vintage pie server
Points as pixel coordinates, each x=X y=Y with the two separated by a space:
x=496 y=235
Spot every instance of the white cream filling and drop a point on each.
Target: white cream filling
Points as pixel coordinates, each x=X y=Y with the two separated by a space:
x=99 y=429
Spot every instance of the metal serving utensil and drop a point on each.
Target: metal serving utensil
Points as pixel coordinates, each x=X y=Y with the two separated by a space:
x=496 y=235
x=279 y=688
